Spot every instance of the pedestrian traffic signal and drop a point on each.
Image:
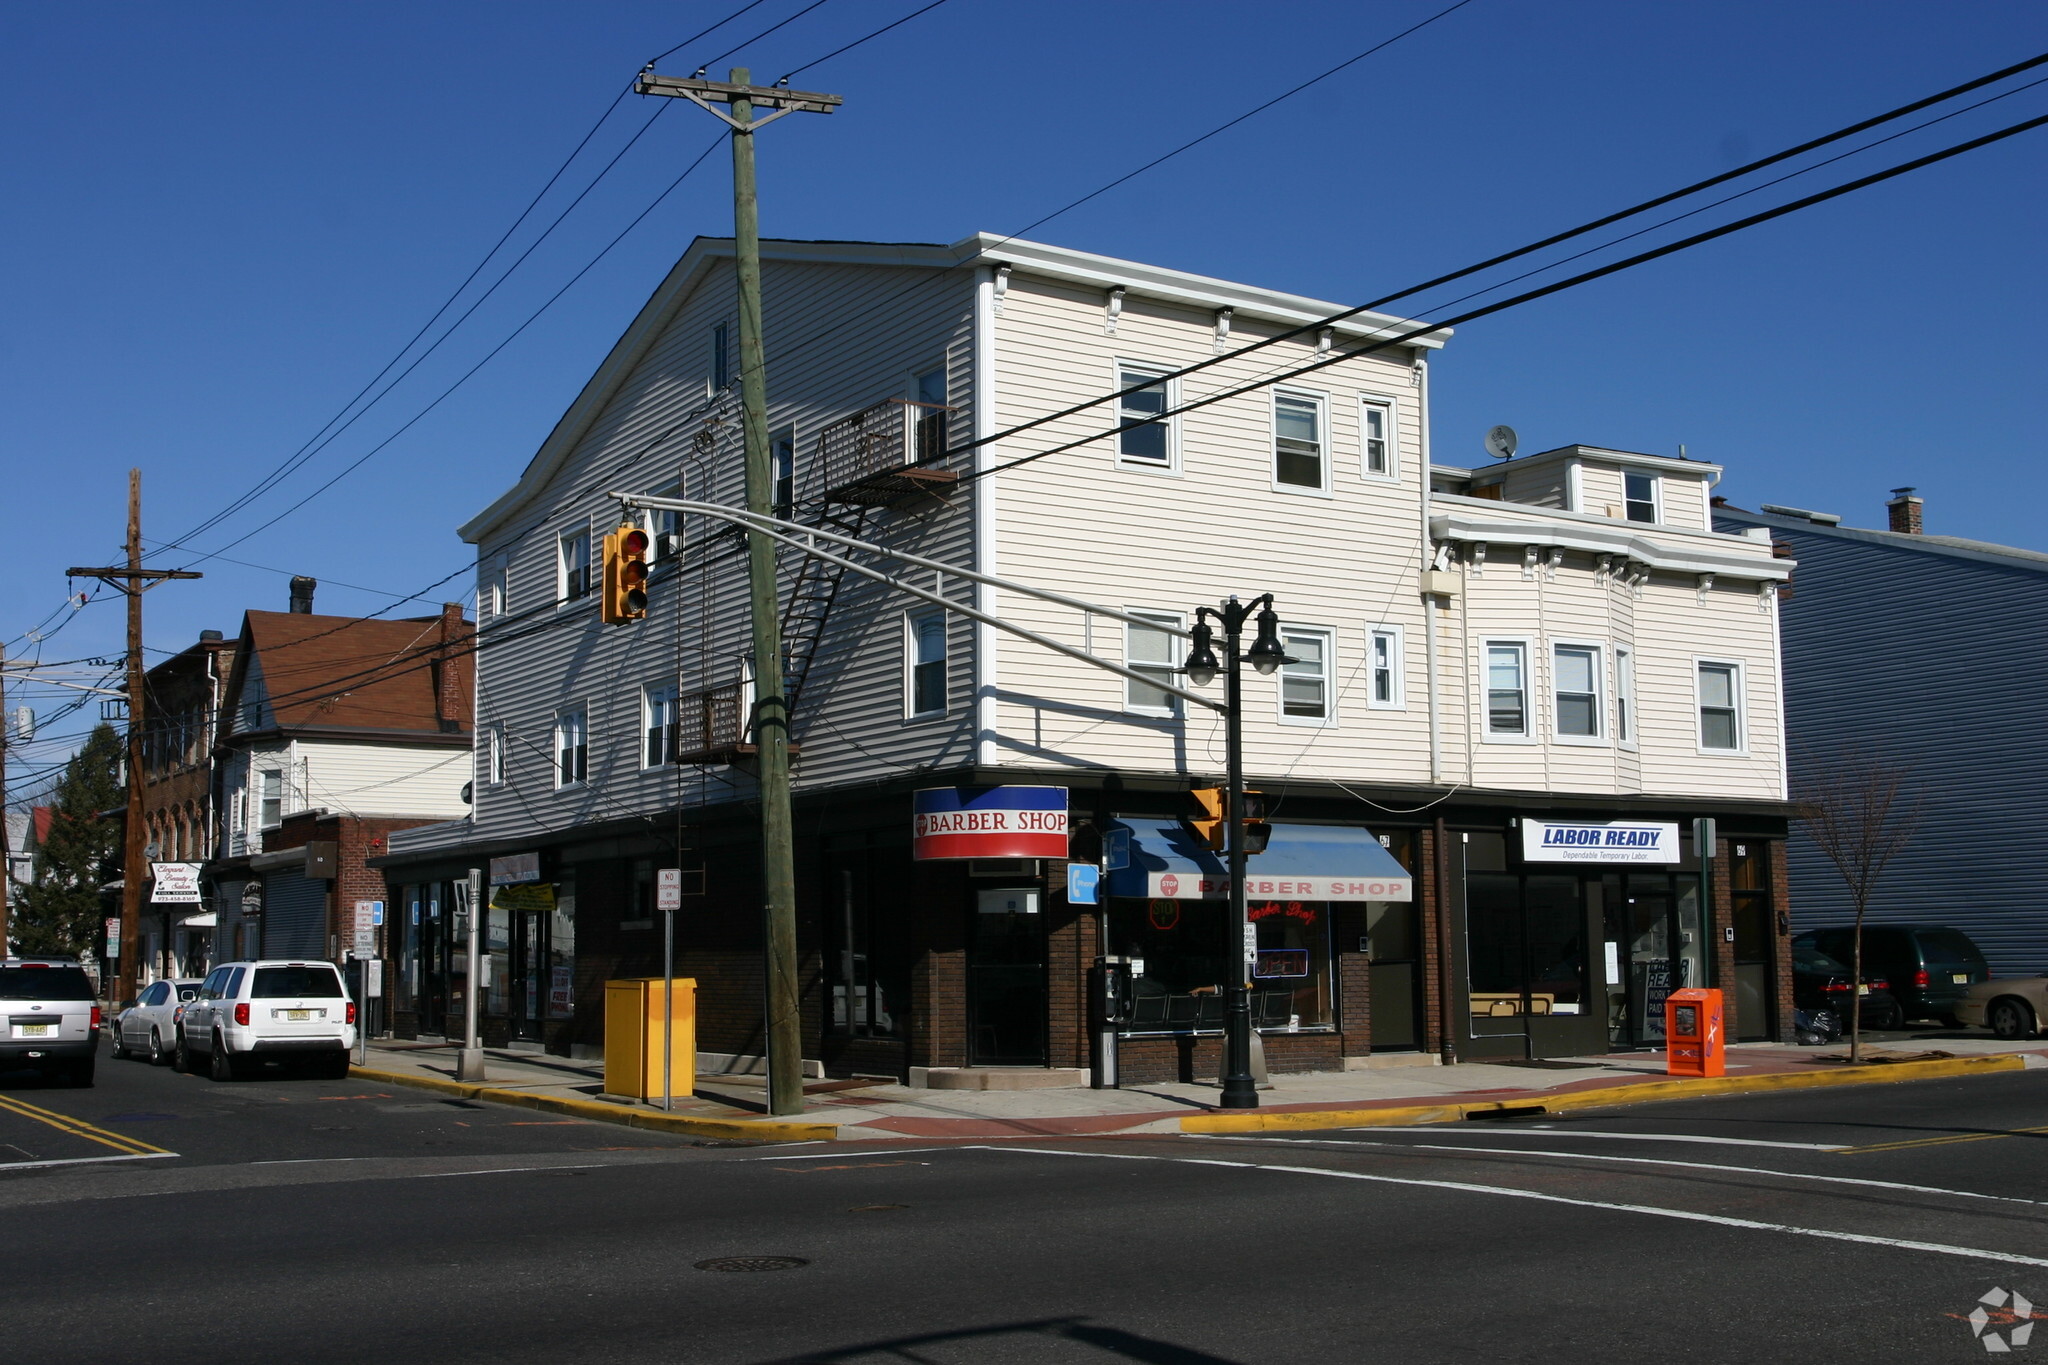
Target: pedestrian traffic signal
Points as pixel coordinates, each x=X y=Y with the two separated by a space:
x=1257 y=832
x=624 y=596
x=1209 y=821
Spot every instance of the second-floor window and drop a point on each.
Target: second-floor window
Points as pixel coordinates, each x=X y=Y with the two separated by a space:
x=494 y=756
x=1575 y=687
x=658 y=709
x=1624 y=696
x=1305 y=682
x=1507 y=688
x=664 y=527
x=1639 y=496
x=575 y=551
x=1385 y=662
x=782 y=462
x=1146 y=435
x=721 y=356
x=1298 y=455
x=1376 y=438
x=270 y=799
x=925 y=650
x=1720 y=699
x=572 y=746
x=1150 y=650
x=931 y=418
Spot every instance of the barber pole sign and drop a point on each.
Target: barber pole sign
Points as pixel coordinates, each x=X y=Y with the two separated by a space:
x=989 y=822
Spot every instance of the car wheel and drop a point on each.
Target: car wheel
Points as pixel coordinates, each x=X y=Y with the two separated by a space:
x=336 y=1068
x=81 y=1073
x=181 y=1057
x=158 y=1054
x=2011 y=1019
x=219 y=1065
x=120 y=1042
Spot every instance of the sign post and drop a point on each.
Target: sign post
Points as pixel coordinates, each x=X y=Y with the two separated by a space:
x=469 y=1063
x=668 y=898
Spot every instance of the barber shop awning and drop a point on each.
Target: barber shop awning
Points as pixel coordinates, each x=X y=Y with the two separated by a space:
x=1302 y=862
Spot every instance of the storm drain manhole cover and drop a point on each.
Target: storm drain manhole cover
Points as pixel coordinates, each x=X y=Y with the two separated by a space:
x=752 y=1263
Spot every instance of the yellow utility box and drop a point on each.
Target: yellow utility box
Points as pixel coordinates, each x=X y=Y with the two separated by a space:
x=632 y=1038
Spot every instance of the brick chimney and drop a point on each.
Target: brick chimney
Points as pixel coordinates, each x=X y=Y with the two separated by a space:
x=1905 y=510
x=449 y=706
x=302 y=594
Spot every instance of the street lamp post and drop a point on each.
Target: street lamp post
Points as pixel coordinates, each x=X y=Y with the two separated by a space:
x=1266 y=655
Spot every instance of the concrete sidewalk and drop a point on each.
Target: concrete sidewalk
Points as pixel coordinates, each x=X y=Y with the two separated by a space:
x=735 y=1108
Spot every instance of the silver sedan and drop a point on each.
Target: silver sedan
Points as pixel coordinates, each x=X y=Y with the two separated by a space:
x=148 y=1028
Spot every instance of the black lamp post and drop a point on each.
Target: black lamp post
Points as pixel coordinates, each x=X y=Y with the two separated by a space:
x=1266 y=655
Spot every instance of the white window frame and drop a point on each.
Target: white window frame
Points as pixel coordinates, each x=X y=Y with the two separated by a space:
x=581 y=711
x=1532 y=720
x=1602 y=736
x=1119 y=382
x=493 y=755
x=1656 y=497
x=1740 y=686
x=562 y=541
x=718 y=372
x=911 y=663
x=651 y=696
x=652 y=520
x=1390 y=434
x=1329 y=717
x=490 y=591
x=1176 y=621
x=1397 y=662
x=1322 y=405
x=777 y=504
x=1628 y=719
x=265 y=798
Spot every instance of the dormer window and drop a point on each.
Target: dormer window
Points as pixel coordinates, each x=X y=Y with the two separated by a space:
x=1639 y=496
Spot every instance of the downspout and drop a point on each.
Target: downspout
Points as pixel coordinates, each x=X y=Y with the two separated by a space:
x=1447 y=995
x=984 y=559
x=1429 y=607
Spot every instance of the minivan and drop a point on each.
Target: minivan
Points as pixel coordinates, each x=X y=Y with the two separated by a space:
x=1929 y=966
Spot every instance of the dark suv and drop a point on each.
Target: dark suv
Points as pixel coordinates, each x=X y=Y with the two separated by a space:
x=1929 y=966
x=52 y=1016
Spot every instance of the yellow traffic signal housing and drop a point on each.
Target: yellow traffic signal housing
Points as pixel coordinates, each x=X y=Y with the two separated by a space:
x=624 y=590
x=1257 y=833
x=1210 y=822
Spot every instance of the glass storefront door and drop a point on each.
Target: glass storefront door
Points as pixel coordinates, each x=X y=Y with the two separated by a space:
x=1006 y=1001
x=1527 y=966
x=1654 y=945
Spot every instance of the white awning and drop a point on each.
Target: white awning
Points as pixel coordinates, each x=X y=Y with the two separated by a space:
x=205 y=921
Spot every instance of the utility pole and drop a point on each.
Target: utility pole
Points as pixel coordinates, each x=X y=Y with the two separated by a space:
x=771 y=707
x=6 y=862
x=134 y=580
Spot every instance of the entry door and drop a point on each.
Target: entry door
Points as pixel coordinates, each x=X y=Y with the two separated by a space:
x=1396 y=975
x=1006 y=981
x=1528 y=969
x=433 y=962
x=529 y=973
x=1654 y=936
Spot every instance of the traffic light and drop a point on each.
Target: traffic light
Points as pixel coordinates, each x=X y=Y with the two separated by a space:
x=1209 y=822
x=625 y=576
x=1256 y=831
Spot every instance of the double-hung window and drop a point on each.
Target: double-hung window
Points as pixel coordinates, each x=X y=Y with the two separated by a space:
x=721 y=356
x=1384 y=662
x=1305 y=682
x=931 y=414
x=1299 y=454
x=782 y=460
x=1144 y=438
x=1639 y=496
x=572 y=746
x=924 y=647
x=659 y=704
x=1624 y=696
x=575 y=557
x=494 y=756
x=1376 y=437
x=1150 y=650
x=1507 y=689
x=270 y=795
x=1720 y=701
x=1575 y=691
x=665 y=527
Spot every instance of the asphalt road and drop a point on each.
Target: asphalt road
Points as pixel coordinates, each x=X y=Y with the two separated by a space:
x=308 y=1221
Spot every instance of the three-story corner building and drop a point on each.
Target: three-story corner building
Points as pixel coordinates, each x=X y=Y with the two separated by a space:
x=1509 y=692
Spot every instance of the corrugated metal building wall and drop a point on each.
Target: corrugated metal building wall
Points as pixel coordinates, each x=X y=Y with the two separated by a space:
x=1930 y=654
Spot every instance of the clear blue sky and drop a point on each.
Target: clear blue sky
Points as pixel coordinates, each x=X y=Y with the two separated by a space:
x=224 y=218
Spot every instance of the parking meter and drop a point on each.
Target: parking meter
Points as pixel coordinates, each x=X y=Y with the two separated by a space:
x=1112 y=1006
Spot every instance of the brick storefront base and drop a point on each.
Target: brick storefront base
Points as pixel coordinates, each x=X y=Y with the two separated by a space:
x=1146 y=1061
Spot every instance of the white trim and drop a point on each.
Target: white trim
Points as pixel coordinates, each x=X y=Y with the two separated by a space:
x=578 y=708
x=1321 y=399
x=1390 y=437
x=1575 y=487
x=1397 y=663
x=1532 y=721
x=1602 y=735
x=674 y=689
x=983 y=495
x=591 y=565
x=494 y=755
x=1175 y=619
x=911 y=617
x=1676 y=549
x=1170 y=467
x=1628 y=735
x=1328 y=719
x=1740 y=688
x=1656 y=498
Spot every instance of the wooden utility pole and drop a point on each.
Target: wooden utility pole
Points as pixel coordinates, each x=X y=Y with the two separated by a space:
x=771 y=708
x=133 y=580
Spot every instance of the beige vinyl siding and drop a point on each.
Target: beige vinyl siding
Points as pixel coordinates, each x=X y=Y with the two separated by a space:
x=385 y=779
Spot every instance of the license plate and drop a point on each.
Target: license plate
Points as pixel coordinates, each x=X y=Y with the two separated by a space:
x=34 y=1030
x=1863 y=990
x=1961 y=978
x=298 y=1016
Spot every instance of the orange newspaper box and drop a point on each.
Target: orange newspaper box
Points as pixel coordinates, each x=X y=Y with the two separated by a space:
x=1692 y=1033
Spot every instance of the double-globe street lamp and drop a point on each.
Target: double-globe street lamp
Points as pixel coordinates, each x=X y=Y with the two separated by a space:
x=1266 y=655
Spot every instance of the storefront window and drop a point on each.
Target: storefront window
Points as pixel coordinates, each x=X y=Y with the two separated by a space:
x=1525 y=949
x=497 y=963
x=1183 y=952
x=870 y=953
x=561 y=986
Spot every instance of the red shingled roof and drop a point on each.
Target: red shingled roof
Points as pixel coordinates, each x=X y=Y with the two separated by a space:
x=345 y=672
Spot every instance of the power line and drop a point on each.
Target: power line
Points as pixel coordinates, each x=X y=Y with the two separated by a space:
x=1545 y=291
x=837 y=51
x=746 y=42
x=704 y=32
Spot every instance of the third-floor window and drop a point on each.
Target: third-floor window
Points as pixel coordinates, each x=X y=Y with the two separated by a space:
x=1299 y=457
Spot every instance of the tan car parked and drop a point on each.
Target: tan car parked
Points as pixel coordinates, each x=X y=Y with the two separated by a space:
x=2012 y=1007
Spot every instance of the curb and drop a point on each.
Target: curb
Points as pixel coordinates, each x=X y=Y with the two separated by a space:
x=732 y=1130
x=1603 y=1098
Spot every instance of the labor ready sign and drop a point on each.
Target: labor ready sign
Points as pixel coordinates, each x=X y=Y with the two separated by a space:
x=1599 y=841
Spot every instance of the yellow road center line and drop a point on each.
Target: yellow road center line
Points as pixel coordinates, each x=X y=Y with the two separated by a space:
x=1938 y=1141
x=64 y=1123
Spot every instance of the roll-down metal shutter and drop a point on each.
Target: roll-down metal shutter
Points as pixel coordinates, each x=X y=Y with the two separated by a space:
x=294 y=916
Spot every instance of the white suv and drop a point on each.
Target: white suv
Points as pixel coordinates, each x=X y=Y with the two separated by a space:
x=247 y=1013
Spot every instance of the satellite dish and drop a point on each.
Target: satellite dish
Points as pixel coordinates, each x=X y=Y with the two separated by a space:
x=1500 y=443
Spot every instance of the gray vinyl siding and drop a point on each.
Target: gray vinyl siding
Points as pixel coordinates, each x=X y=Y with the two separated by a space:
x=1933 y=660
x=883 y=323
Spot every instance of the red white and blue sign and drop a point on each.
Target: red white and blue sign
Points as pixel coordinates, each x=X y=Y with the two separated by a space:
x=989 y=822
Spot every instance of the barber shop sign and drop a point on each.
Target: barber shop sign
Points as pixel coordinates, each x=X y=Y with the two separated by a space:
x=989 y=822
